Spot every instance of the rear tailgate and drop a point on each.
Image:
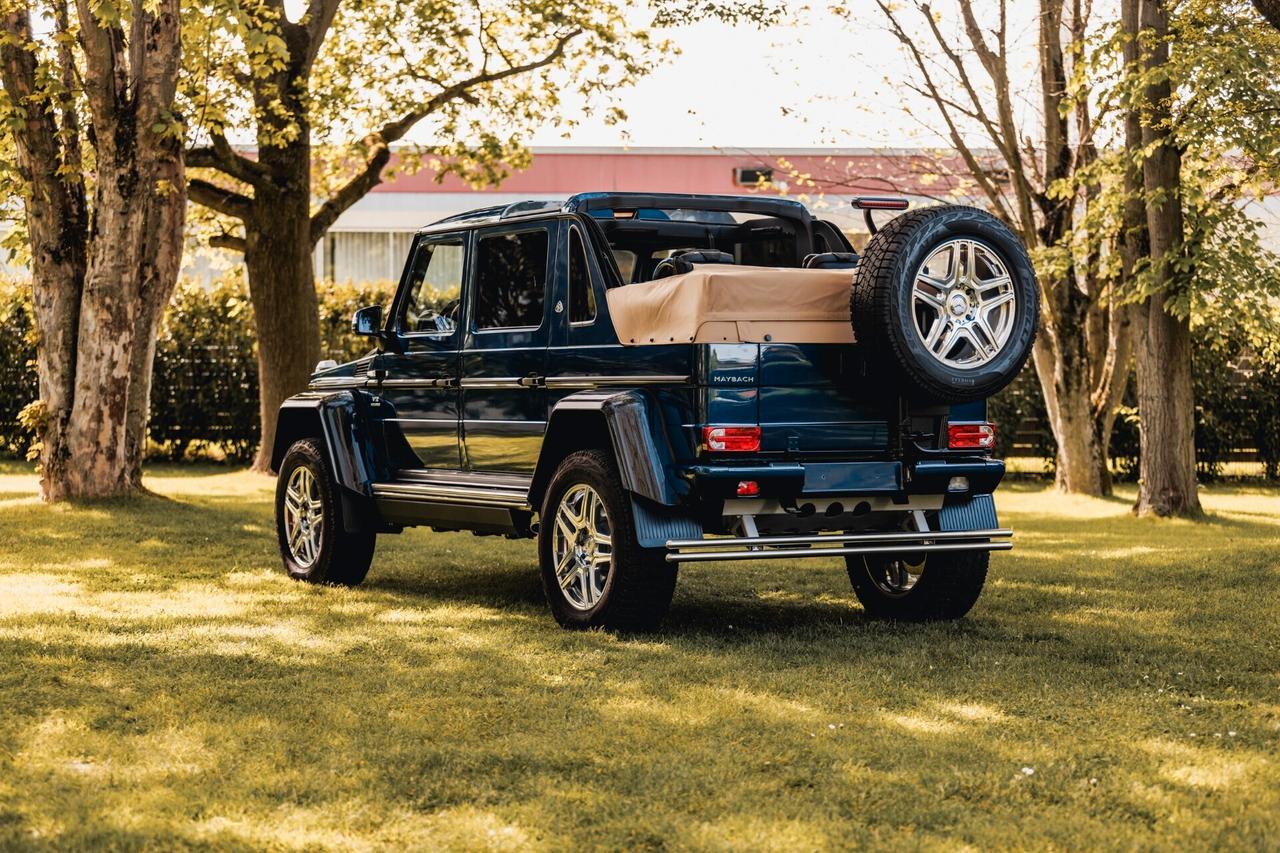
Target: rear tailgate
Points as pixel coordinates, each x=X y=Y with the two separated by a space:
x=813 y=402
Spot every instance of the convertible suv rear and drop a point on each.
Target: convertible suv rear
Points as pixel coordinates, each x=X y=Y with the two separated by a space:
x=641 y=380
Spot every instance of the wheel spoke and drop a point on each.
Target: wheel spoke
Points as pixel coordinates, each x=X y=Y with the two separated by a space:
x=566 y=568
x=565 y=526
x=988 y=305
x=935 y=331
x=944 y=343
x=992 y=284
x=980 y=352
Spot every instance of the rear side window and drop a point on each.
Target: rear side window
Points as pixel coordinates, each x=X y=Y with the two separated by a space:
x=511 y=278
x=582 y=299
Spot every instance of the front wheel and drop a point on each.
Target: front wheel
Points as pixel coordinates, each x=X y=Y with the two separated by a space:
x=920 y=587
x=315 y=544
x=594 y=572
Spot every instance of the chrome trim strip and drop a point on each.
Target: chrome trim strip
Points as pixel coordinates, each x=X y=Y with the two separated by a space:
x=439 y=493
x=449 y=421
x=789 y=553
x=840 y=538
x=446 y=382
x=495 y=382
x=512 y=423
x=328 y=384
x=611 y=381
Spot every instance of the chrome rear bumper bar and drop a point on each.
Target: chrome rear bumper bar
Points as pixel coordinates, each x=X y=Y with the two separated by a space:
x=835 y=545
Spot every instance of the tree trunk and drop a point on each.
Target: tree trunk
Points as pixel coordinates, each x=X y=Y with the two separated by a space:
x=158 y=281
x=1167 y=484
x=282 y=286
x=1066 y=396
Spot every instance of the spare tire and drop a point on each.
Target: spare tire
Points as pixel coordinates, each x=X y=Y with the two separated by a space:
x=945 y=299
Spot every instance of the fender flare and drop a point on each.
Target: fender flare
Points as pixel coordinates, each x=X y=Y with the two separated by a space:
x=628 y=423
x=338 y=419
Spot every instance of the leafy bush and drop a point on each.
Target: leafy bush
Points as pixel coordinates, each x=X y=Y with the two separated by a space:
x=204 y=389
x=18 y=383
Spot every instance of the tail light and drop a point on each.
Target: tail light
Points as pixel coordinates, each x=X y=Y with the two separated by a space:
x=735 y=439
x=971 y=436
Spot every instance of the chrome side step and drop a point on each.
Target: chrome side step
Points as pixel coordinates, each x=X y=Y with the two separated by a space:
x=452 y=493
x=835 y=545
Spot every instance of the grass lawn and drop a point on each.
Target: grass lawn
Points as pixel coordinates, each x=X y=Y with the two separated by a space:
x=165 y=686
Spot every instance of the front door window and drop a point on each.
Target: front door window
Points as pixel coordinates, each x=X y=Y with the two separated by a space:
x=435 y=283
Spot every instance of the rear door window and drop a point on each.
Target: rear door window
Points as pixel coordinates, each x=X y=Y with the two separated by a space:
x=511 y=279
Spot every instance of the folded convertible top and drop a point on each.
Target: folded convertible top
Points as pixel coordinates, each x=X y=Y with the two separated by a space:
x=719 y=302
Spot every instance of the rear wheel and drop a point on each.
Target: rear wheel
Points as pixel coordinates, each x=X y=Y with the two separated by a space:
x=314 y=542
x=594 y=572
x=918 y=587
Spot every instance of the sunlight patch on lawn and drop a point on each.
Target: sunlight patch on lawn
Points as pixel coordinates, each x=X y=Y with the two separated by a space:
x=919 y=723
x=752 y=832
x=1203 y=768
x=344 y=828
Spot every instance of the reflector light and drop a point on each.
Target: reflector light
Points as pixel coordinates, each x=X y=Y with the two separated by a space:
x=958 y=484
x=748 y=489
x=971 y=436
x=738 y=439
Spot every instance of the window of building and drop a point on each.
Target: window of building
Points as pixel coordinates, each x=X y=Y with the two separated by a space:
x=435 y=281
x=510 y=279
x=582 y=298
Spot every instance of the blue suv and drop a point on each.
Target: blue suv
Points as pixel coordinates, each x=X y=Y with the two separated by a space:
x=639 y=380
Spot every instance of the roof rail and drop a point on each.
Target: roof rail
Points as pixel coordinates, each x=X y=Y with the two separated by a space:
x=530 y=208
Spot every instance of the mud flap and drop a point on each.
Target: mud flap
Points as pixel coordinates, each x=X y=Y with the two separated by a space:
x=657 y=524
x=974 y=513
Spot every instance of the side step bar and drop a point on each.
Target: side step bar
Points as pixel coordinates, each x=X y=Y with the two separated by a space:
x=835 y=545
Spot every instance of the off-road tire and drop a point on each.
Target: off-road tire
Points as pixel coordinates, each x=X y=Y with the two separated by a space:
x=947 y=588
x=344 y=555
x=881 y=303
x=638 y=588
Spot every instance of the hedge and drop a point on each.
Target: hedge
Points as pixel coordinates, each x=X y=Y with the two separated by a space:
x=204 y=392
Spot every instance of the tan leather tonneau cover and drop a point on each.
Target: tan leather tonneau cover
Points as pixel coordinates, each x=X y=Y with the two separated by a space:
x=720 y=302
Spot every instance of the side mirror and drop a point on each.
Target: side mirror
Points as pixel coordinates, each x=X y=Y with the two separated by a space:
x=367 y=322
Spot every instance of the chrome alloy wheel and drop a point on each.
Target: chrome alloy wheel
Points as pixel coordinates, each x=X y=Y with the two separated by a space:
x=303 y=516
x=582 y=546
x=963 y=303
x=897 y=576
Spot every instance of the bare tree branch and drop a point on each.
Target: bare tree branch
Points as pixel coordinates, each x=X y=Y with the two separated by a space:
x=316 y=21
x=219 y=199
x=227 y=241
x=221 y=156
x=989 y=189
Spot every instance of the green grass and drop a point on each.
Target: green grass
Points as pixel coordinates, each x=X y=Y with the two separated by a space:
x=163 y=685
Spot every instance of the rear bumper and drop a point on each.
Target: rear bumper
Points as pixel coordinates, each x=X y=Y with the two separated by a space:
x=791 y=480
x=835 y=545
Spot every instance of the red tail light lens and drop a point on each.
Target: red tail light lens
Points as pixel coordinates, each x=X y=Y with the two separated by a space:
x=745 y=439
x=748 y=489
x=971 y=436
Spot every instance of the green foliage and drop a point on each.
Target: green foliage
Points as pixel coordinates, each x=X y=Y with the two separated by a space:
x=1236 y=386
x=204 y=392
x=18 y=384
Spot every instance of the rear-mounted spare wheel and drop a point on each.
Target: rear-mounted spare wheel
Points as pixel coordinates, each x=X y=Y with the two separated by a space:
x=945 y=299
